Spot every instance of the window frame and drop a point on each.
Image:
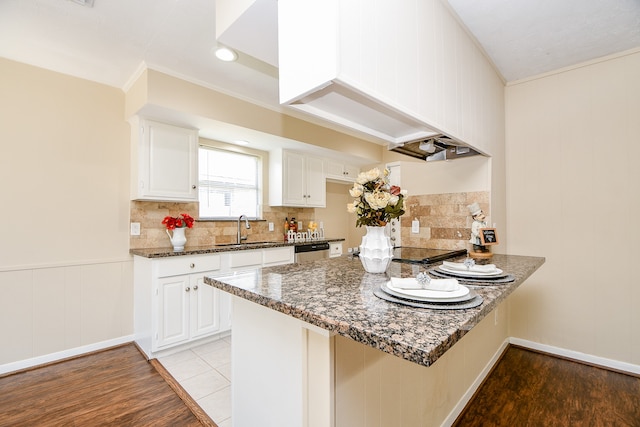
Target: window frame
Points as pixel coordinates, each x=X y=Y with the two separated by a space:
x=259 y=180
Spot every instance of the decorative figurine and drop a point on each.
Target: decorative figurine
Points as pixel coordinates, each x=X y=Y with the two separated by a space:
x=479 y=223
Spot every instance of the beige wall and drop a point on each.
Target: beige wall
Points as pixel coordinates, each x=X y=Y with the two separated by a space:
x=337 y=222
x=573 y=191
x=178 y=95
x=65 y=272
x=65 y=168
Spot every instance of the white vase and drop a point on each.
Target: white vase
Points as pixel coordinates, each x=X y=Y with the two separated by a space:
x=376 y=250
x=178 y=239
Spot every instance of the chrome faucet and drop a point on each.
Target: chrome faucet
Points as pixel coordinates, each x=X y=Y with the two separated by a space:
x=247 y=226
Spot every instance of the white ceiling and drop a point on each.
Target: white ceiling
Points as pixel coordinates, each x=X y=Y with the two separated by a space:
x=110 y=42
x=524 y=38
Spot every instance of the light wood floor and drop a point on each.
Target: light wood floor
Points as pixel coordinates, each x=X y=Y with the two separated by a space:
x=527 y=388
x=114 y=387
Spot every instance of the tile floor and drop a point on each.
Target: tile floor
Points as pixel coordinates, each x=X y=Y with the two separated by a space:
x=205 y=373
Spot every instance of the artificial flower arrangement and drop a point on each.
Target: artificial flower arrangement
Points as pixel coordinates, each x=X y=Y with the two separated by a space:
x=376 y=201
x=184 y=220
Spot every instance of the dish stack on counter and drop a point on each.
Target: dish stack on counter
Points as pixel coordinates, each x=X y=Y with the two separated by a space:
x=424 y=292
x=472 y=274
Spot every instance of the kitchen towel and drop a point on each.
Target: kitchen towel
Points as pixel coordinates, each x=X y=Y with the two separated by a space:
x=459 y=266
x=445 y=285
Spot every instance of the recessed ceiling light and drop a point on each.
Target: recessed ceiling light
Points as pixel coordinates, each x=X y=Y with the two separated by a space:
x=226 y=54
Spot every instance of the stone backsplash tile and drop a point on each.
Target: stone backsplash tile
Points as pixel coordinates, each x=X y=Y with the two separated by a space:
x=445 y=222
x=205 y=233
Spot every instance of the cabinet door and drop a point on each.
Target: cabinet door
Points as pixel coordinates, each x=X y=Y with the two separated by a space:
x=316 y=194
x=334 y=170
x=173 y=310
x=341 y=172
x=294 y=187
x=204 y=307
x=351 y=172
x=169 y=163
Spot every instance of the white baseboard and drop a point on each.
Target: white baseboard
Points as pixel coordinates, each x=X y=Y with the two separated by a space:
x=466 y=397
x=576 y=355
x=52 y=357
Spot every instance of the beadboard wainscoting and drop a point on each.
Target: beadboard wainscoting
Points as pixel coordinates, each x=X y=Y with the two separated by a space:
x=50 y=312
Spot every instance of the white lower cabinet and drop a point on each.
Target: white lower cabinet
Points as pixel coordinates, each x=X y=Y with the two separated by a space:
x=172 y=304
x=173 y=307
x=188 y=309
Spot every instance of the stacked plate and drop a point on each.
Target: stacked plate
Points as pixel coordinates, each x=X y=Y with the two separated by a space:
x=461 y=298
x=477 y=274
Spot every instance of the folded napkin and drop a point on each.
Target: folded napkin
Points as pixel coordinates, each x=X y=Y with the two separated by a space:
x=459 y=266
x=446 y=285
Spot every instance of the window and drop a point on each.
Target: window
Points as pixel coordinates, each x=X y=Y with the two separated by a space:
x=229 y=184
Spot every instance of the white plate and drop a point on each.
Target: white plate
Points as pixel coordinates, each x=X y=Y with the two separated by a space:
x=463 y=273
x=461 y=294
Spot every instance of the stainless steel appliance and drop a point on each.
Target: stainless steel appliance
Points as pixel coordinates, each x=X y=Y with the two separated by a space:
x=311 y=251
x=424 y=255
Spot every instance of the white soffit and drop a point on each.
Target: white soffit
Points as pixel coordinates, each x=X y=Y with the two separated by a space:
x=254 y=32
x=108 y=42
x=527 y=38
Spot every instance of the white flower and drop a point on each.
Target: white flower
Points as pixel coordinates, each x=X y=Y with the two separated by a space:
x=378 y=199
x=374 y=174
x=404 y=193
x=372 y=194
x=370 y=175
x=356 y=191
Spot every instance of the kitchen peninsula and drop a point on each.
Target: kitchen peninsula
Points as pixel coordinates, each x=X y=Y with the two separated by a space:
x=293 y=366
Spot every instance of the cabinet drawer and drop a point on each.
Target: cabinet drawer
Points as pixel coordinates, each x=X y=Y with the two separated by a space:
x=245 y=258
x=278 y=256
x=187 y=264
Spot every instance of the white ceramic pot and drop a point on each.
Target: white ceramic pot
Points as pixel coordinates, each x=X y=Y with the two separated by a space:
x=178 y=239
x=376 y=250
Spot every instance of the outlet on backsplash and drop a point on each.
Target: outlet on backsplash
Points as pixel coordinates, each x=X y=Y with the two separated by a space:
x=443 y=220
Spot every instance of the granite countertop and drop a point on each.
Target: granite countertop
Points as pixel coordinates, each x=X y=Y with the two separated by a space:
x=199 y=250
x=337 y=295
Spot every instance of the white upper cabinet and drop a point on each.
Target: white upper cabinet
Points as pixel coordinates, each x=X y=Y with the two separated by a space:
x=296 y=179
x=398 y=70
x=164 y=161
x=337 y=171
